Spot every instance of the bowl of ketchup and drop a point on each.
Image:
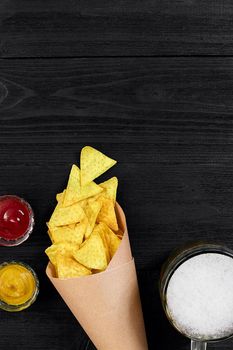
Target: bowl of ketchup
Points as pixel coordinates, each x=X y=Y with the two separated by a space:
x=16 y=220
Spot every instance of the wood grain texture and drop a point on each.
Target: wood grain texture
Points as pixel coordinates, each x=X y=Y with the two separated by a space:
x=69 y=28
x=168 y=122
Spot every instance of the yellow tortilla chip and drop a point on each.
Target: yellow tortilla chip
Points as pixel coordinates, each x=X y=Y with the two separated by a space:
x=107 y=213
x=72 y=226
x=93 y=163
x=92 y=253
x=60 y=196
x=114 y=242
x=112 y=239
x=100 y=229
x=70 y=233
x=83 y=203
x=95 y=198
x=110 y=187
x=80 y=230
x=68 y=267
x=74 y=192
x=67 y=215
x=58 y=249
x=92 y=210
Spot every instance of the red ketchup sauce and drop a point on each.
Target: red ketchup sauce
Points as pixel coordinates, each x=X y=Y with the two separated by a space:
x=16 y=219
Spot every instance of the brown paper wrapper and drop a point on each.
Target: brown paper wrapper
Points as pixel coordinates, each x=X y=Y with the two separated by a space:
x=107 y=304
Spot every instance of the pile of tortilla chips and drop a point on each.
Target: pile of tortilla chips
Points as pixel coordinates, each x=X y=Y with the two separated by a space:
x=83 y=227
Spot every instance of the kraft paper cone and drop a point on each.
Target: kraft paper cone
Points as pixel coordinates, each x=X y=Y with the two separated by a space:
x=107 y=304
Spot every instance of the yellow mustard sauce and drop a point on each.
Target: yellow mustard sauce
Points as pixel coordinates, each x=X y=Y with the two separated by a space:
x=17 y=284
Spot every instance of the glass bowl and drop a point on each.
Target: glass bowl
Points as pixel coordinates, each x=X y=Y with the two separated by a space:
x=16 y=220
x=171 y=265
x=26 y=277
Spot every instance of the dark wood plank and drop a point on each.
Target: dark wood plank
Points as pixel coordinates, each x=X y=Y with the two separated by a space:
x=168 y=122
x=115 y=28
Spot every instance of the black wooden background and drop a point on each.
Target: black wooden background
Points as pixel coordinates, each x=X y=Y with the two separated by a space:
x=151 y=84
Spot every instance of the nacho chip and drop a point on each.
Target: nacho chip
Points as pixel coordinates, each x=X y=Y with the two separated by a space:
x=92 y=253
x=80 y=230
x=67 y=215
x=83 y=203
x=72 y=226
x=68 y=267
x=70 y=233
x=112 y=240
x=93 y=164
x=58 y=249
x=92 y=210
x=74 y=192
x=110 y=187
x=95 y=198
x=107 y=213
x=100 y=229
x=60 y=196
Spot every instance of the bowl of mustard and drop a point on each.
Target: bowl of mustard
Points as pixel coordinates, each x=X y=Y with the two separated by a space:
x=19 y=286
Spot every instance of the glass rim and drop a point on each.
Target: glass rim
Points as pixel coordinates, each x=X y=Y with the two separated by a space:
x=8 y=307
x=173 y=263
x=14 y=242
